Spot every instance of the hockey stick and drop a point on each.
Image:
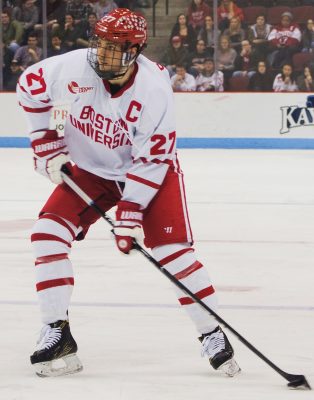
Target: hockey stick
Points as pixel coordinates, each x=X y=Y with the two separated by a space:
x=295 y=381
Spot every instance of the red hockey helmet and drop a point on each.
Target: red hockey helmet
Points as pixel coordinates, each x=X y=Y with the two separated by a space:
x=124 y=29
x=123 y=26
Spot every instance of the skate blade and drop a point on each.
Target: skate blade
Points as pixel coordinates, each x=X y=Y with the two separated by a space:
x=230 y=368
x=57 y=367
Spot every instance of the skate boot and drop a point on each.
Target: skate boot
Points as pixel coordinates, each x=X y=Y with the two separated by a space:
x=56 y=351
x=220 y=352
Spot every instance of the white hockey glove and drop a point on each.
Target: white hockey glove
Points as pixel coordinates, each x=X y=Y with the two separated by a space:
x=50 y=153
x=128 y=225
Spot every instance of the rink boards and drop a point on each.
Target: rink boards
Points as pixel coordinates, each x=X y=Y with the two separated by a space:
x=213 y=120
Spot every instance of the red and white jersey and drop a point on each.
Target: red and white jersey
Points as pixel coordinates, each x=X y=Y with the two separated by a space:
x=290 y=36
x=128 y=136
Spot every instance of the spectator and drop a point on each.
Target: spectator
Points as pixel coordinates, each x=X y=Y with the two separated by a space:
x=305 y=82
x=55 y=16
x=103 y=7
x=246 y=62
x=262 y=81
x=308 y=37
x=207 y=34
x=70 y=33
x=12 y=31
x=235 y=33
x=284 y=81
x=284 y=41
x=79 y=9
x=210 y=80
x=87 y=29
x=258 y=36
x=29 y=54
x=226 y=11
x=28 y=15
x=197 y=12
x=185 y=32
x=197 y=58
x=175 y=55
x=226 y=55
x=56 y=47
x=15 y=73
x=6 y=61
x=182 y=81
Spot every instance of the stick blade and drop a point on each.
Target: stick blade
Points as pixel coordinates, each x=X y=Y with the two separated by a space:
x=298 y=382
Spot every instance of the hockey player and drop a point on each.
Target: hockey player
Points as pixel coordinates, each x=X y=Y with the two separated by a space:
x=119 y=145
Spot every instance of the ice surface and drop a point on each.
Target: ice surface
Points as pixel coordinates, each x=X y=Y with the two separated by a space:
x=252 y=212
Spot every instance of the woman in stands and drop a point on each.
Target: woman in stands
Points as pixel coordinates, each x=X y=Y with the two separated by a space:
x=197 y=12
x=185 y=32
x=262 y=81
x=285 y=81
x=305 y=82
x=227 y=10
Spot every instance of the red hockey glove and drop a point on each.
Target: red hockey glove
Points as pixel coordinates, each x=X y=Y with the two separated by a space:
x=128 y=225
x=50 y=153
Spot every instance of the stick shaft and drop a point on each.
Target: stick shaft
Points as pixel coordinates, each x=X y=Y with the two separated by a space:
x=91 y=203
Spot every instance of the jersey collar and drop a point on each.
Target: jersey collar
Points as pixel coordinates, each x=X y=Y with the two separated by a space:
x=125 y=87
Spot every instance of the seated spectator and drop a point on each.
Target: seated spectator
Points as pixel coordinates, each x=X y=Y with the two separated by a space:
x=175 y=54
x=87 y=29
x=246 y=62
x=103 y=7
x=226 y=55
x=235 y=33
x=28 y=15
x=207 y=34
x=56 y=10
x=185 y=32
x=197 y=12
x=69 y=33
x=197 y=58
x=227 y=10
x=284 y=40
x=210 y=80
x=79 y=9
x=7 y=55
x=181 y=81
x=15 y=73
x=29 y=54
x=262 y=81
x=305 y=82
x=56 y=47
x=308 y=37
x=258 y=36
x=284 y=81
x=12 y=31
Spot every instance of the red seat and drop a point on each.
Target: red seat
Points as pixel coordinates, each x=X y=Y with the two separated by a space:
x=251 y=13
x=274 y=14
x=302 y=14
x=239 y=84
x=300 y=60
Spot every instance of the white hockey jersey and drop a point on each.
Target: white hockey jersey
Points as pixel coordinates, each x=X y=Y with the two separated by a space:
x=128 y=136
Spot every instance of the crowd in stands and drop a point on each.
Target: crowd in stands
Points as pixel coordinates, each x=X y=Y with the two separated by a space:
x=258 y=45
x=69 y=25
x=262 y=45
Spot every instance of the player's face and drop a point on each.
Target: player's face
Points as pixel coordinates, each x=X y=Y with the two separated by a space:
x=109 y=56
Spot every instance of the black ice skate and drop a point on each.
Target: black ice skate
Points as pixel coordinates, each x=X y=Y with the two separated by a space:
x=220 y=352
x=56 y=346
